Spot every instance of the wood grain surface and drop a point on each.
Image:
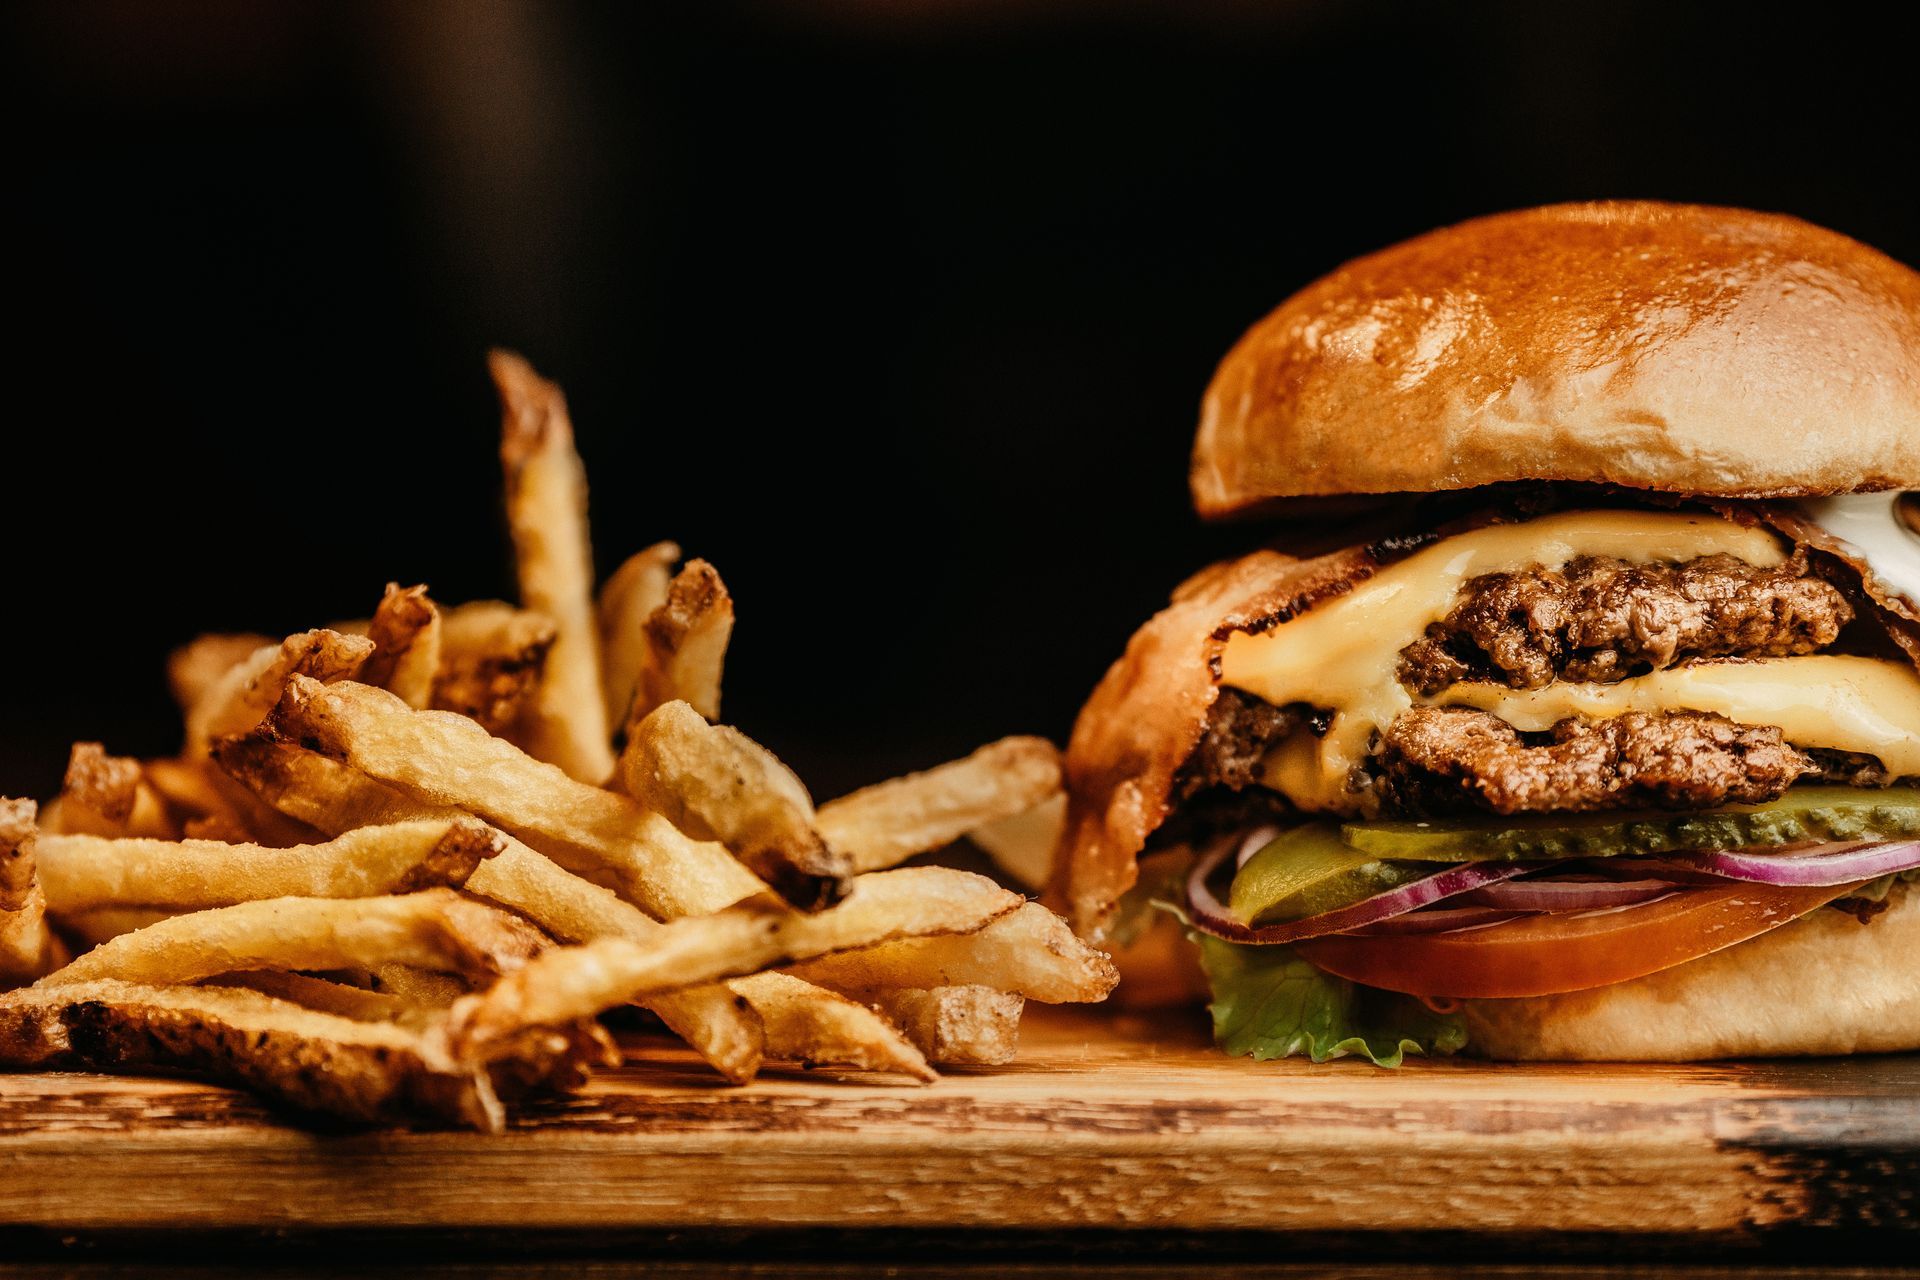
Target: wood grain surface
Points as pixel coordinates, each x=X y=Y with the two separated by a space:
x=1102 y=1123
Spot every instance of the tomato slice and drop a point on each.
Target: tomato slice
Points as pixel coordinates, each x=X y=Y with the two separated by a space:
x=1544 y=954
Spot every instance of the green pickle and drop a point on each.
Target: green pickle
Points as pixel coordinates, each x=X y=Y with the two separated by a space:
x=1805 y=813
x=1310 y=870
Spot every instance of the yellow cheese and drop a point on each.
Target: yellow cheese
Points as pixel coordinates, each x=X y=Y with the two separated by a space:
x=1826 y=700
x=1342 y=654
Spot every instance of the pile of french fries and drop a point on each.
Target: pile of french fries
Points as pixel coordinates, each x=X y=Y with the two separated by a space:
x=401 y=867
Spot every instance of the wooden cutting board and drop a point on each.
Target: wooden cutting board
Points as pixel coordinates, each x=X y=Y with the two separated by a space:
x=1103 y=1123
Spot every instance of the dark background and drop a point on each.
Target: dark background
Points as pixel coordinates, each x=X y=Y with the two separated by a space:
x=898 y=312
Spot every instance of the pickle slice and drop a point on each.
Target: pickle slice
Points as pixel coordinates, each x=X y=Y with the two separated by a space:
x=1805 y=813
x=1310 y=870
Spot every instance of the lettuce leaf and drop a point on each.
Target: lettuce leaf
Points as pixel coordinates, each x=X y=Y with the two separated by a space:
x=1269 y=1003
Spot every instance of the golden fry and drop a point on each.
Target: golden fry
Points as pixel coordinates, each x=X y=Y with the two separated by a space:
x=449 y=760
x=316 y=789
x=433 y=929
x=491 y=659
x=818 y=1028
x=547 y=514
x=1030 y=951
x=195 y=667
x=80 y=873
x=885 y=824
x=956 y=1026
x=687 y=640
x=715 y=783
x=579 y=982
x=241 y=698
x=406 y=645
x=627 y=600
x=1023 y=845
x=27 y=947
x=107 y=795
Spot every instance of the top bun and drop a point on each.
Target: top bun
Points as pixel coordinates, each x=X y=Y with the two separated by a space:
x=1656 y=346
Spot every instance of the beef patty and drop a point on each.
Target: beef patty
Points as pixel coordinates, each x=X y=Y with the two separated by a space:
x=1446 y=759
x=1601 y=619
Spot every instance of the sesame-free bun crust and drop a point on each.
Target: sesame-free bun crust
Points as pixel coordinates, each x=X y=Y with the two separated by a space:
x=1825 y=984
x=1670 y=347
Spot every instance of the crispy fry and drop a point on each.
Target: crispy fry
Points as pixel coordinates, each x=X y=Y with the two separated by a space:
x=628 y=599
x=422 y=987
x=242 y=697
x=1023 y=845
x=195 y=667
x=84 y=872
x=491 y=657
x=547 y=514
x=324 y=996
x=715 y=783
x=405 y=631
x=450 y=760
x=885 y=824
x=327 y=793
x=17 y=831
x=102 y=924
x=372 y=1072
x=27 y=947
x=433 y=929
x=107 y=795
x=1030 y=951
x=956 y=1026
x=818 y=1028
x=686 y=645
x=579 y=982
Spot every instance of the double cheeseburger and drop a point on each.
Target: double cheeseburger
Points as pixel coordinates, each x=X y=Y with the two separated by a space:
x=1573 y=711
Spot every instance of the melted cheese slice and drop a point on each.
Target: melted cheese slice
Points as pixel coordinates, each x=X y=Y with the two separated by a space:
x=1825 y=700
x=1342 y=654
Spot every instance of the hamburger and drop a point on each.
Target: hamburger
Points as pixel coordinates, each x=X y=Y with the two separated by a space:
x=1570 y=710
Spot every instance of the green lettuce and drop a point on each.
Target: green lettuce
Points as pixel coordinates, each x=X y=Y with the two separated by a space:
x=1269 y=1003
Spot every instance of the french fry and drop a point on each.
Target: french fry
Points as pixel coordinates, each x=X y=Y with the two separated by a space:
x=687 y=640
x=450 y=760
x=79 y=872
x=547 y=514
x=568 y=983
x=195 y=667
x=107 y=795
x=1030 y=951
x=424 y=988
x=491 y=659
x=372 y=1072
x=405 y=631
x=885 y=824
x=312 y=788
x=627 y=600
x=956 y=1026
x=27 y=947
x=715 y=783
x=433 y=929
x=818 y=1028
x=103 y=924
x=241 y=698
x=1023 y=845
x=324 y=996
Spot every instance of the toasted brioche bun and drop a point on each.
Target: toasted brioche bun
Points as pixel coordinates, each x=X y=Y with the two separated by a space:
x=1825 y=984
x=1670 y=347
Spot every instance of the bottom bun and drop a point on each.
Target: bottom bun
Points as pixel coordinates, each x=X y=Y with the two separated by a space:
x=1825 y=984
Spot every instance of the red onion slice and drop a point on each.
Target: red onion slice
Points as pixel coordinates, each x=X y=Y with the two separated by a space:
x=1567 y=895
x=1815 y=865
x=1210 y=915
x=1439 y=920
x=1256 y=840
